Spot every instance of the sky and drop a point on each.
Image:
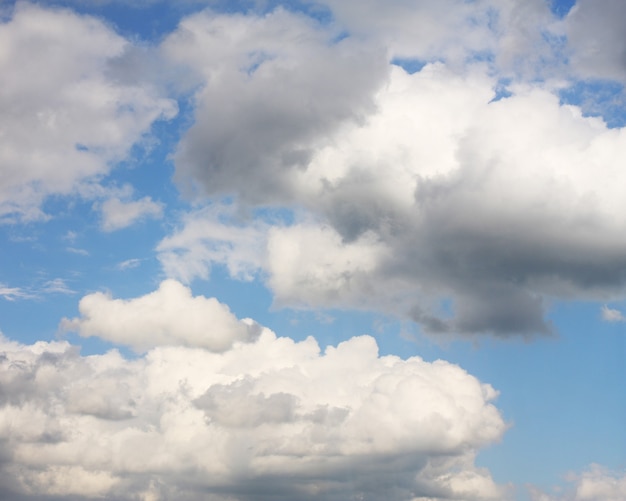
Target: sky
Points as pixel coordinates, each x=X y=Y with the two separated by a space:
x=317 y=250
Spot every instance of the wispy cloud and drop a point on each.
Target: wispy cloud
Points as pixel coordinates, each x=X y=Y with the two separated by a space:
x=13 y=293
x=128 y=264
x=36 y=291
x=612 y=315
x=70 y=236
x=56 y=286
x=80 y=252
x=119 y=213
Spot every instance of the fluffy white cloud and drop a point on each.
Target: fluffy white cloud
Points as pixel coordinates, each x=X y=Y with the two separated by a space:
x=271 y=418
x=601 y=484
x=168 y=316
x=595 y=484
x=66 y=118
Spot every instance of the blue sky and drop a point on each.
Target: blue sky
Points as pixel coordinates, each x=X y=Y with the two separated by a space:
x=312 y=250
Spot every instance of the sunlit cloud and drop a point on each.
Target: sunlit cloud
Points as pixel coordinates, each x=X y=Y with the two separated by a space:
x=237 y=408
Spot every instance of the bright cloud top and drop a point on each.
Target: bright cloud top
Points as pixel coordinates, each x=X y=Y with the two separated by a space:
x=168 y=316
x=269 y=417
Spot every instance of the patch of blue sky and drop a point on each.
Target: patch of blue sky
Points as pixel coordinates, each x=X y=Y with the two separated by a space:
x=149 y=166
x=313 y=10
x=559 y=395
x=146 y=21
x=410 y=65
x=70 y=249
x=502 y=90
x=598 y=98
x=561 y=8
x=279 y=216
x=556 y=59
x=256 y=60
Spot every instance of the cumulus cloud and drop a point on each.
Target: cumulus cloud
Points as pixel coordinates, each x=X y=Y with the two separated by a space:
x=440 y=198
x=597 y=483
x=66 y=119
x=168 y=316
x=274 y=87
x=272 y=418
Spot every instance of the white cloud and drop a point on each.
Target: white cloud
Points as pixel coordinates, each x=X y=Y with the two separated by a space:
x=128 y=264
x=65 y=119
x=600 y=484
x=214 y=235
x=118 y=214
x=439 y=196
x=612 y=315
x=79 y=252
x=595 y=484
x=309 y=265
x=70 y=236
x=167 y=316
x=269 y=418
x=13 y=293
x=56 y=285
